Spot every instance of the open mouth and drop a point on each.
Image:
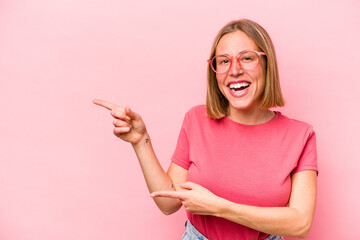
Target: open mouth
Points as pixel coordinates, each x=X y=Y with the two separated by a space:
x=238 y=87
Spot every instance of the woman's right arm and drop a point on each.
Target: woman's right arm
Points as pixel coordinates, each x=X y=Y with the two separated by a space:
x=156 y=178
x=131 y=128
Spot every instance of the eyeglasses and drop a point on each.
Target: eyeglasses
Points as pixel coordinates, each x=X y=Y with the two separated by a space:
x=247 y=59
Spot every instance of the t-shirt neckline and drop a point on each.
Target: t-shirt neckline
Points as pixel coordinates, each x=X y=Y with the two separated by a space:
x=277 y=115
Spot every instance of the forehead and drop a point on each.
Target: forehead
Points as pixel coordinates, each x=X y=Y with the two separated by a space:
x=235 y=42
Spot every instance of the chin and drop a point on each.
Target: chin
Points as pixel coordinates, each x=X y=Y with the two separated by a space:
x=244 y=105
x=241 y=106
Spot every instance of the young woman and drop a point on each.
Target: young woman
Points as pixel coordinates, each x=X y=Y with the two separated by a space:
x=240 y=170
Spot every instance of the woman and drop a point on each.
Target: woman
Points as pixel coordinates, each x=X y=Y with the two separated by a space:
x=240 y=170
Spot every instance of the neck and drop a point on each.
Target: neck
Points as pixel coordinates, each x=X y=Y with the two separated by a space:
x=251 y=116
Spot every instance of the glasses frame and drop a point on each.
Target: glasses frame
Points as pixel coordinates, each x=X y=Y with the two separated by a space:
x=237 y=58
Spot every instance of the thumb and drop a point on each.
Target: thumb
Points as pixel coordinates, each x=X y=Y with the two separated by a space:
x=133 y=115
x=188 y=185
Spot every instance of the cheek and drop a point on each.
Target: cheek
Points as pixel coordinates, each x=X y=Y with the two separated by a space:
x=258 y=77
x=220 y=78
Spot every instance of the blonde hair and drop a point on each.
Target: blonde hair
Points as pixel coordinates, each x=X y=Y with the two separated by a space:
x=217 y=105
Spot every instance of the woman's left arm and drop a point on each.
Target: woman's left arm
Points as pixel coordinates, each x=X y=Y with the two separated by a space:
x=295 y=220
x=292 y=221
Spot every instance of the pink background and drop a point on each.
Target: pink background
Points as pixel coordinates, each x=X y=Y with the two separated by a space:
x=63 y=175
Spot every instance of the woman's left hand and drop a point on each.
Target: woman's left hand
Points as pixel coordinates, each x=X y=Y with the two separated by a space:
x=195 y=198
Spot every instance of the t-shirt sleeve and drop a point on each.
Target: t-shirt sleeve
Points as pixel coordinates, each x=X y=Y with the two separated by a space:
x=308 y=157
x=181 y=154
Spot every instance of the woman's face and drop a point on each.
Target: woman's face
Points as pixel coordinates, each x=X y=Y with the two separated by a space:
x=251 y=81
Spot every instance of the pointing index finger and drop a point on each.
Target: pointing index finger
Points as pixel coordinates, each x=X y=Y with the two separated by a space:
x=169 y=194
x=105 y=104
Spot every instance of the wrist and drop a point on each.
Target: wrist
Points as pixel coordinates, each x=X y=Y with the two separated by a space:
x=145 y=138
x=222 y=207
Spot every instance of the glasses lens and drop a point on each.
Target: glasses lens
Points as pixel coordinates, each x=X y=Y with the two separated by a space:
x=249 y=60
x=221 y=64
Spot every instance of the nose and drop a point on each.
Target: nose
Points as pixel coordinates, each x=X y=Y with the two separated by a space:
x=235 y=68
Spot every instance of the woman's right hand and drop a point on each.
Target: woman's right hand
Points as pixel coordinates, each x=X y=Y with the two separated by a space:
x=128 y=124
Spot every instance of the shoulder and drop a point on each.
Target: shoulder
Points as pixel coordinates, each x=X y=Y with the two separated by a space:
x=293 y=122
x=196 y=118
x=198 y=111
x=294 y=125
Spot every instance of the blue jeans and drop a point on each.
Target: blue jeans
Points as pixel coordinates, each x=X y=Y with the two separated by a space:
x=192 y=234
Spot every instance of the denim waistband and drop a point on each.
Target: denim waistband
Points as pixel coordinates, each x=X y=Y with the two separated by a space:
x=273 y=237
x=191 y=233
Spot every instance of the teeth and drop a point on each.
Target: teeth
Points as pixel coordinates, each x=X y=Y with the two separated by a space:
x=239 y=85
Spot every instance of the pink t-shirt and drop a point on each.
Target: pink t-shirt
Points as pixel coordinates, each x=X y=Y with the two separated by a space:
x=247 y=164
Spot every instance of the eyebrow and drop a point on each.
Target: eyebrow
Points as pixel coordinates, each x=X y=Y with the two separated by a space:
x=236 y=54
